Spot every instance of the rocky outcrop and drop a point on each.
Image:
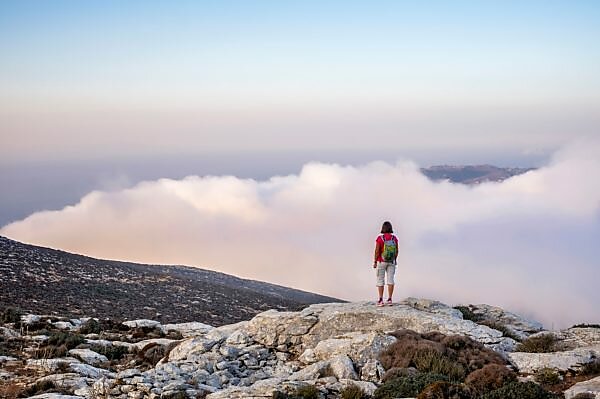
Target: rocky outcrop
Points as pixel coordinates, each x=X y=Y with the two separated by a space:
x=591 y=386
x=329 y=346
x=518 y=325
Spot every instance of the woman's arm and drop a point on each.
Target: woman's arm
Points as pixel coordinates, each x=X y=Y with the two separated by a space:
x=377 y=252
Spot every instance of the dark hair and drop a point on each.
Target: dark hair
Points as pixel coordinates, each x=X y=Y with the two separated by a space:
x=386 y=228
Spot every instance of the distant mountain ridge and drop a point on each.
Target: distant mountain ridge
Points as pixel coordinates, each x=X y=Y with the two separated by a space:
x=472 y=174
x=48 y=281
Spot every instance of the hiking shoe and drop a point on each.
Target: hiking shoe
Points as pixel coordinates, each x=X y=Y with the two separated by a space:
x=380 y=303
x=389 y=302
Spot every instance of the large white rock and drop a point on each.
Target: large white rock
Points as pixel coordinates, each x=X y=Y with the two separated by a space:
x=519 y=325
x=88 y=356
x=158 y=341
x=589 y=386
x=563 y=361
x=297 y=331
x=28 y=319
x=360 y=347
x=343 y=368
x=52 y=365
x=191 y=329
x=85 y=370
x=141 y=323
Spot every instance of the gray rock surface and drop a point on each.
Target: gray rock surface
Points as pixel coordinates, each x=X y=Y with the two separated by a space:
x=562 y=361
x=590 y=386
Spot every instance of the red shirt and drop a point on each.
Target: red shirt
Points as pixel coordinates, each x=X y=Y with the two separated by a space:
x=379 y=244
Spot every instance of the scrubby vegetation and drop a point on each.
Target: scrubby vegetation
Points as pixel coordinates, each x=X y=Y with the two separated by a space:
x=303 y=392
x=435 y=366
x=585 y=395
x=506 y=332
x=407 y=387
x=454 y=356
x=591 y=368
x=542 y=343
x=489 y=378
x=10 y=315
x=445 y=390
x=547 y=376
x=520 y=390
x=353 y=392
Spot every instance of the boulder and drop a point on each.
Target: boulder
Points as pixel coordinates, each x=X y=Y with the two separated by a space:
x=52 y=365
x=590 y=386
x=342 y=368
x=518 y=325
x=298 y=331
x=29 y=319
x=88 y=356
x=191 y=329
x=142 y=323
x=360 y=347
x=562 y=361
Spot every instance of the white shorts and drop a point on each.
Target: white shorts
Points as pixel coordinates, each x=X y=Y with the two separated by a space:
x=384 y=268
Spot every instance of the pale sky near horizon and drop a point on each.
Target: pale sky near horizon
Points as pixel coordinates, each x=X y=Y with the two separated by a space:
x=102 y=79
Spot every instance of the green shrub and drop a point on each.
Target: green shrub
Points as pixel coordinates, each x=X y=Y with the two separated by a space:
x=397 y=372
x=490 y=377
x=430 y=361
x=353 y=392
x=90 y=327
x=40 y=387
x=542 y=343
x=112 y=352
x=591 y=368
x=454 y=356
x=407 y=387
x=64 y=338
x=445 y=390
x=547 y=376
x=11 y=315
x=520 y=390
x=305 y=392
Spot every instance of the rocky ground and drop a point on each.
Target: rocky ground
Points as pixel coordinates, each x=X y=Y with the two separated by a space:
x=322 y=351
x=46 y=281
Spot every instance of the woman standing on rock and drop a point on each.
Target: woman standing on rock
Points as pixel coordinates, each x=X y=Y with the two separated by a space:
x=386 y=253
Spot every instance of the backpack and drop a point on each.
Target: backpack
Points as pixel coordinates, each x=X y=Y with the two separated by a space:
x=390 y=249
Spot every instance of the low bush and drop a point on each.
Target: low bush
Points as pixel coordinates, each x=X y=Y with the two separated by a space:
x=11 y=315
x=591 y=368
x=91 y=326
x=490 y=377
x=112 y=352
x=454 y=356
x=50 y=351
x=397 y=372
x=520 y=390
x=353 y=392
x=303 y=392
x=41 y=387
x=445 y=390
x=407 y=387
x=542 y=343
x=64 y=338
x=547 y=376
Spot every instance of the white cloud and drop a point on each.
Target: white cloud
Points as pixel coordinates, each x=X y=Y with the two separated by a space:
x=529 y=244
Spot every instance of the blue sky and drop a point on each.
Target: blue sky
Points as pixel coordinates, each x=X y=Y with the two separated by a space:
x=104 y=78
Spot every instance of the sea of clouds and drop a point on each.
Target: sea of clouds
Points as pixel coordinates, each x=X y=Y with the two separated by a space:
x=530 y=244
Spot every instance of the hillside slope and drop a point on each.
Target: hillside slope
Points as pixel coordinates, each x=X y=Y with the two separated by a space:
x=48 y=281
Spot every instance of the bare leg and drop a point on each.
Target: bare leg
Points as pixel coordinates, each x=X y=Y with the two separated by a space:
x=380 y=291
x=390 y=290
